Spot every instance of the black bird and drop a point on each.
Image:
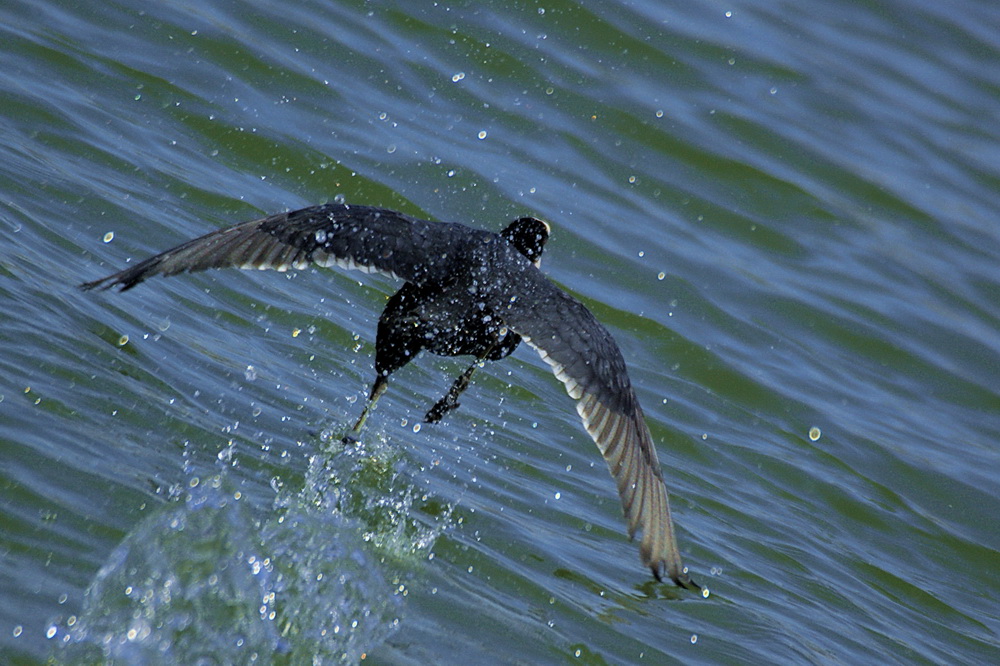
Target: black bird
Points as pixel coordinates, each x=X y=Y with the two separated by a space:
x=467 y=292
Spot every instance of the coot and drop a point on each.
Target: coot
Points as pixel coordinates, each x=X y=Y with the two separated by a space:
x=467 y=292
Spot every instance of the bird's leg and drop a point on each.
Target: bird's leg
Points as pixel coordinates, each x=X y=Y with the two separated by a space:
x=378 y=388
x=450 y=400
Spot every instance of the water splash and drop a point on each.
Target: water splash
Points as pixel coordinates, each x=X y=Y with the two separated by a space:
x=369 y=484
x=203 y=579
x=319 y=576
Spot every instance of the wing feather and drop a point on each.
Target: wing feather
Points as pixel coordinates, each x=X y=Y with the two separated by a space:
x=586 y=359
x=352 y=237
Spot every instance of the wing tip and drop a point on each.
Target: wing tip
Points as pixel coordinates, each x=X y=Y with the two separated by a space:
x=679 y=576
x=103 y=284
x=124 y=280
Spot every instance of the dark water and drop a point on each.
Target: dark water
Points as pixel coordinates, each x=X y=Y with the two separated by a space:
x=786 y=213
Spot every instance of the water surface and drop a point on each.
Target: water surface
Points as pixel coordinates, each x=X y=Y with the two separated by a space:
x=786 y=214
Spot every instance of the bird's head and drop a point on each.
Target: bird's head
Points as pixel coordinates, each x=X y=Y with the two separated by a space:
x=528 y=235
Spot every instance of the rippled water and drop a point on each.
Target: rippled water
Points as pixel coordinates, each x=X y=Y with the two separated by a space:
x=785 y=213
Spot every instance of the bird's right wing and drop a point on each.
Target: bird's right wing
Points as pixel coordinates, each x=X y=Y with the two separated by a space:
x=586 y=359
x=353 y=237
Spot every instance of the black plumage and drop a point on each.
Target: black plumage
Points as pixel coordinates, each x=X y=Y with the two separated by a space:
x=467 y=292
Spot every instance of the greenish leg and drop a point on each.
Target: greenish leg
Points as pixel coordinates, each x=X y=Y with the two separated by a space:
x=378 y=388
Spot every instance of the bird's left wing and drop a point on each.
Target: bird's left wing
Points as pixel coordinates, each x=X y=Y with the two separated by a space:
x=353 y=237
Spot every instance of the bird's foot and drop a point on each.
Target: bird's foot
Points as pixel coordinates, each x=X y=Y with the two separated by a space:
x=437 y=412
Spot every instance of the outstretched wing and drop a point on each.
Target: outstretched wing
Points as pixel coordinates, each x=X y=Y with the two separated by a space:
x=353 y=237
x=585 y=357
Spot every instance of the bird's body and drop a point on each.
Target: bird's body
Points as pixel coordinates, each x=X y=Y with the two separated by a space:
x=467 y=292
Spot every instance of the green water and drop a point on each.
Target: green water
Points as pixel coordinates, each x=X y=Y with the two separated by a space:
x=786 y=214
